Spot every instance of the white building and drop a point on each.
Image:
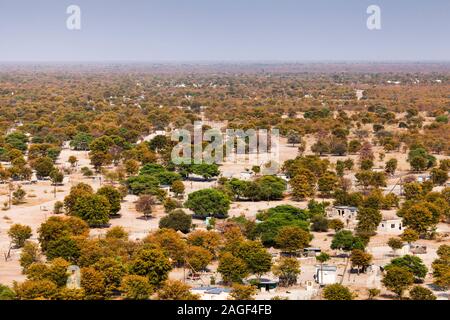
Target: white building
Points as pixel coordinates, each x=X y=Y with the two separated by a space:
x=392 y=225
x=325 y=274
x=344 y=212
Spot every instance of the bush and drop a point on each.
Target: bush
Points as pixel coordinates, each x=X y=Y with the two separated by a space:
x=319 y=223
x=87 y=172
x=58 y=207
x=421 y=293
x=117 y=232
x=336 y=224
x=29 y=255
x=337 y=292
x=177 y=220
x=18 y=196
x=19 y=234
x=171 y=204
x=6 y=293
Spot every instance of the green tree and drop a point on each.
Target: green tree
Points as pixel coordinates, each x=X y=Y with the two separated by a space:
x=177 y=220
x=391 y=166
x=77 y=191
x=35 y=289
x=113 y=196
x=441 y=267
x=209 y=203
x=56 y=271
x=327 y=183
x=151 y=263
x=360 y=259
x=145 y=205
x=63 y=247
x=354 y=146
x=58 y=207
x=319 y=223
x=398 y=279
x=136 y=287
x=420 y=160
x=294 y=138
x=113 y=271
x=412 y=191
x=81 y=141
x=43 y=166
x=421 y=293
x=58 y=227
x=366 y=164
x=368 y=221
x=171 y=204
x=421 y=217
x=159 y=142
x=439 y=176
x=18 y=140
x=232 y=269
x=303 y=185
x=257 y=258
x=336 y=224
x=19 y=234
x=94 y=209
x=395 y=244
x=344 y=240
x=30 y=254
x=197 y=258
x=268 y=188
x=410 y=235
x=340 y=168
x=207 y=171
x=56 y=176
x=117 y=232
x=287 y=271
x=143 y=184
x=178 y=188
x=73 y=161
x=93 y=283
x=291 y=239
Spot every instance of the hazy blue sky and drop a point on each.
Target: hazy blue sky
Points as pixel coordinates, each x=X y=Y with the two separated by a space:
x=187 y=30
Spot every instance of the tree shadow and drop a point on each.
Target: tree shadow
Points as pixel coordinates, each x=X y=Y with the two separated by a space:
x=146 y=218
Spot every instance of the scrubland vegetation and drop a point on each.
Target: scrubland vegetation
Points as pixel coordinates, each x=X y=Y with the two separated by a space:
x=87 y=180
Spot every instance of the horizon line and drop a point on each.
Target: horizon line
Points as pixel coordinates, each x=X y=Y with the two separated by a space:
x=219 y=61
